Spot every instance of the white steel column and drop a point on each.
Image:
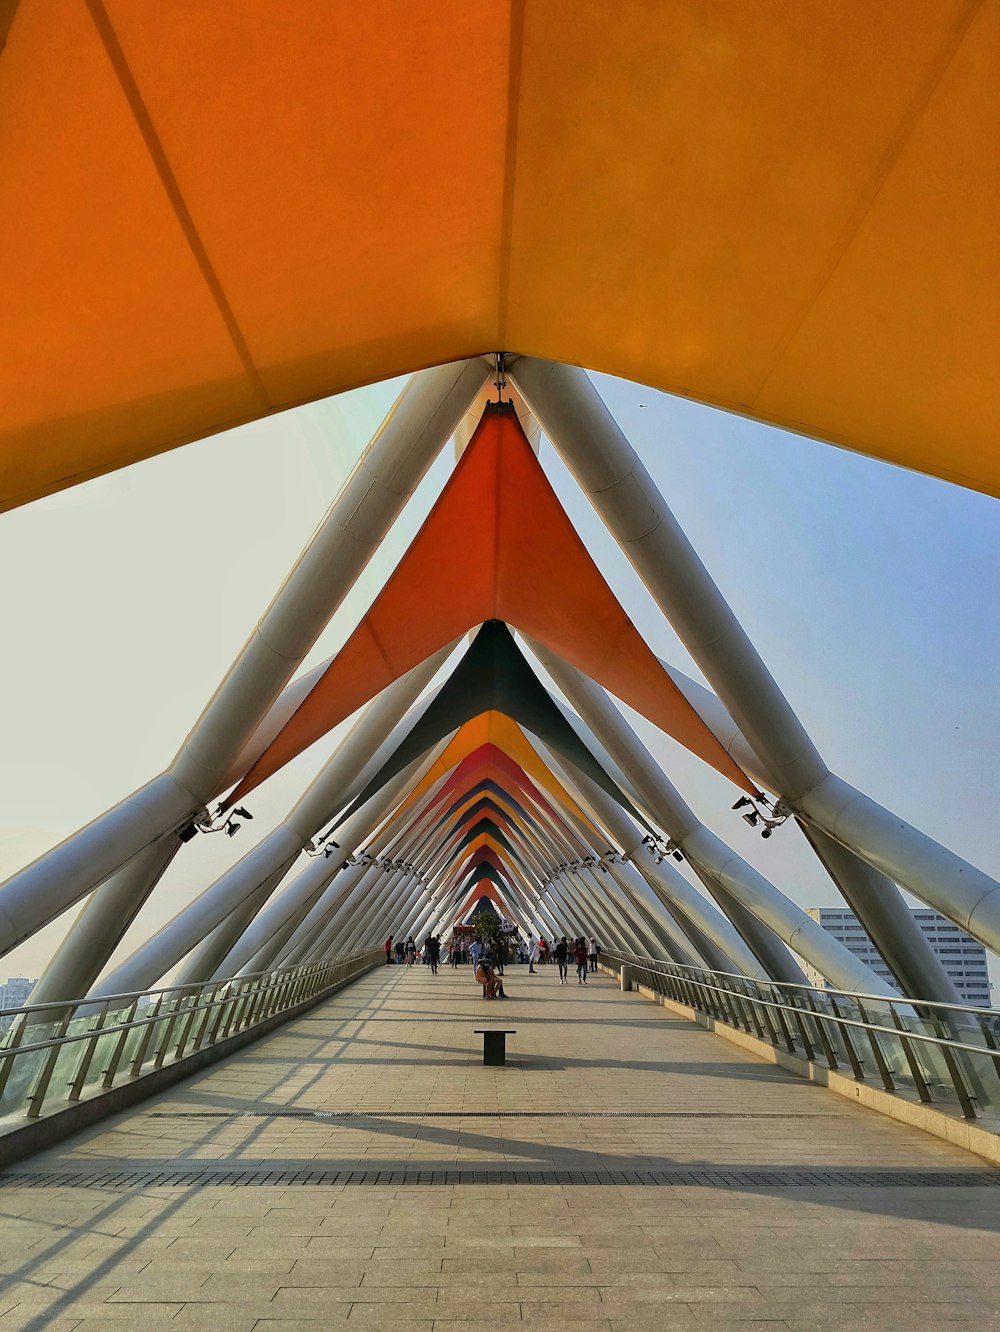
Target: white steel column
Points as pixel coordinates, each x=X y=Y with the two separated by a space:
x=267 y=934
x=606 y=466
x=701 y=846
x=315 y=807
x=680 y=898
x=204 y=960
x=328 y=909
x=425 y=415
x=871 y=895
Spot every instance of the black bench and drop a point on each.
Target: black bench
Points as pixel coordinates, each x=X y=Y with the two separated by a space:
x=495 y=1043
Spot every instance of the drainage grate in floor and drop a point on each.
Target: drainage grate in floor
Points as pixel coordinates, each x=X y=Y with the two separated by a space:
x=341 y=1115
x=306 y=1176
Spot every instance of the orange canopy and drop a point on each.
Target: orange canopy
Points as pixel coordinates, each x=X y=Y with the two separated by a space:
x=495 y=740
x=496 y=545
x=212 y=211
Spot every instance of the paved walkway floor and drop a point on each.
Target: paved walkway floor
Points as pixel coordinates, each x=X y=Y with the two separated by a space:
x=800 y=1210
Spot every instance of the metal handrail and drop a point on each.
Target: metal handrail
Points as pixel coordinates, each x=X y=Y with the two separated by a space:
x=240 y=1002
x=963 y=1063
x=92 y=1001
x=825 y=991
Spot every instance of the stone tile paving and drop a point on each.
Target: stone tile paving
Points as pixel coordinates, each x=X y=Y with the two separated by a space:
x=398 y=1051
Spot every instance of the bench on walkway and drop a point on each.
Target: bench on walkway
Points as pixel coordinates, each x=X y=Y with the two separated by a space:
x=495 y=1043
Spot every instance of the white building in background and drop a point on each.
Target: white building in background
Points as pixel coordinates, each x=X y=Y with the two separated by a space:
x=14 y=993
x=961 y=956
x=15 y=990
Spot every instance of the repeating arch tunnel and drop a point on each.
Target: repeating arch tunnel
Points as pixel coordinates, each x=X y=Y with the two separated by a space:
x=487 y=756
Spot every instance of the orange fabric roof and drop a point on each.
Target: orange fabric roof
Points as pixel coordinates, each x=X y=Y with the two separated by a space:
x=467 y=777
x=496 y=545
x=505 y=741
x=213 y=211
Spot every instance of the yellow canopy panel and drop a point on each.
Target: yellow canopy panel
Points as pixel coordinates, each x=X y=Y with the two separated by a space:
x=211 y=211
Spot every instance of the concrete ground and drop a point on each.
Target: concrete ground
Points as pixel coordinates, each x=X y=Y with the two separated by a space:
x=798 y=1210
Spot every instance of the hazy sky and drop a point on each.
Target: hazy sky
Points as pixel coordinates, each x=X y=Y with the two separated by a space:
x=870 y=592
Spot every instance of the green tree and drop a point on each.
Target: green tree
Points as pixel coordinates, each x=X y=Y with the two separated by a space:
x=489 y=934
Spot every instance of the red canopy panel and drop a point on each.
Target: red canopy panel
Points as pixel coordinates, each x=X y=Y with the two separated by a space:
x=496 y=545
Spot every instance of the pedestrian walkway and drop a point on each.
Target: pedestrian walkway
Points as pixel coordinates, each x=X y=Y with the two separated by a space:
x=770 y=1203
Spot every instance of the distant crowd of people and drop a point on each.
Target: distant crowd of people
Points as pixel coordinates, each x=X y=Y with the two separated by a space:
x=487 y=968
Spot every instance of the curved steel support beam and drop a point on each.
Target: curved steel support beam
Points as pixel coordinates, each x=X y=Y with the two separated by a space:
x=594 y=448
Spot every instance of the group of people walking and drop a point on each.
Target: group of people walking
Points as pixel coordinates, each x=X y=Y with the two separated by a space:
x=404 y=952
x=583 y=952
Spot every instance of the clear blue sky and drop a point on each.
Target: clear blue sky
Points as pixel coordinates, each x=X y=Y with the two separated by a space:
x=870 y=592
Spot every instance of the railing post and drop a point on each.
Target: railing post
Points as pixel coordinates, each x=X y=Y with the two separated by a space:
x=990 y=1038
x=36 y=1099
x=168 y=1031
x=730 y=1004
x=785 y=1029
x=821 y=1031
x=888 y=1082
x=244 y=1005
x=111 y=1071
x=147 y=1036
x=205 y=1006
x=857 y=1067
x=221 y=1007
x=807 y=1044
x=962 y=1090
x=10 y=1051
x=186 y=1024
x=751 y=1009
x=916 y=1072
x=89 y=1050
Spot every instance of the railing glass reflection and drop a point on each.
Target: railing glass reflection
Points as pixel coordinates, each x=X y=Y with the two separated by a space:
x=940 y=1053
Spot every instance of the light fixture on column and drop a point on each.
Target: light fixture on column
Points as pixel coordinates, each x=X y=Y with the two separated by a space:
x=763 y=813
x=322 y=846
x=659 y=847
x=222 y=822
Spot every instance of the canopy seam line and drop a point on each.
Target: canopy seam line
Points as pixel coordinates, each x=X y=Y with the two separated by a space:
x=883 y=170
x=515 y=56
x=161 y=163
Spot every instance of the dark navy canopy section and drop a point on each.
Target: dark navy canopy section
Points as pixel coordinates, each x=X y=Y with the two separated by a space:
x=493 y=676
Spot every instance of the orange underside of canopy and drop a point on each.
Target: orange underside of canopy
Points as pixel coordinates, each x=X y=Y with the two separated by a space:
x=496 y=545
x=500 y=812
x=496 y=742
x=484 y=856
x=485 y=842
x=455 y=835
x=210 y=212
